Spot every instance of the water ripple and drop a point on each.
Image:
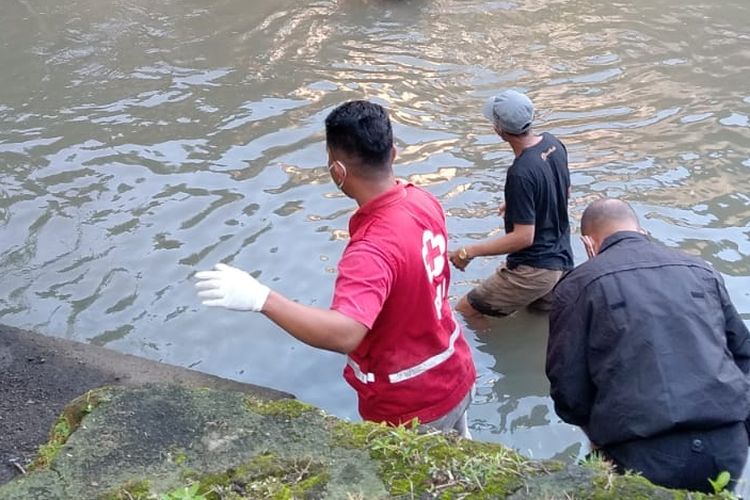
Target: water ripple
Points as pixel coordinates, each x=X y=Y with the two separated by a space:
x=140 y=142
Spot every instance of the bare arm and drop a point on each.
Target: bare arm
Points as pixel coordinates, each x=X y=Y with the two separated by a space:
x=521 y=237
x=519 y=209
x=322 y=328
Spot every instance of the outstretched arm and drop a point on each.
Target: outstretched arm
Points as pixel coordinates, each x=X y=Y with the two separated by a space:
x=521 y=237
x=322 y=328
x=519 y=210
x=233 y=288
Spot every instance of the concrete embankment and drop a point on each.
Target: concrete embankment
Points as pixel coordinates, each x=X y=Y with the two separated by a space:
x=199 y=437
x=40 y=375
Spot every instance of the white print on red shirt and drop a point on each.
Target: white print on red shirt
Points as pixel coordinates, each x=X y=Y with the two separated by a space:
x=433 y=256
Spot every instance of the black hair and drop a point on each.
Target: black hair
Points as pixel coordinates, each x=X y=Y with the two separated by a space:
x=522 y=134
x=362 y=129
x=605 y=211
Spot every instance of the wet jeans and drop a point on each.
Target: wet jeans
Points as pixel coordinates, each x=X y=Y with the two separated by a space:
x=685 y=459
x=456 y=419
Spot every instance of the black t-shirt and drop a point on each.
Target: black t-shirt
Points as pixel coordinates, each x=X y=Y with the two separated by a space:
x=536 y=192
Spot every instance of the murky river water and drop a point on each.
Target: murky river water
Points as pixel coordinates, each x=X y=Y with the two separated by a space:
x=141 y=141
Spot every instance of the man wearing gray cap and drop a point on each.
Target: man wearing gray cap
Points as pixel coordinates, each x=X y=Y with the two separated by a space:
x=537 y=232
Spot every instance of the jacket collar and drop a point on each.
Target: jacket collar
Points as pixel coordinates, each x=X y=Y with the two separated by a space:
x=619 y=236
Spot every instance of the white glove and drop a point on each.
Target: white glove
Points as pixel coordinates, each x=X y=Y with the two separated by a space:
x=233 y=288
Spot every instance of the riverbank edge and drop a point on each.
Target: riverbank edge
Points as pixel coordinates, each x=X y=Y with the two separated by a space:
x=40 y=375
x=160 y=430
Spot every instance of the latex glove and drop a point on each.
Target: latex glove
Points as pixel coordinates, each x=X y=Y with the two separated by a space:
x=232 y=288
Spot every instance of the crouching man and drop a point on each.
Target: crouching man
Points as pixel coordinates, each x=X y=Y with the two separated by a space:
x=648 y=355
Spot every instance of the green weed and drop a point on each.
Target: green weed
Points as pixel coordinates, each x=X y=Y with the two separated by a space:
x=185 y=493
x=721 y=481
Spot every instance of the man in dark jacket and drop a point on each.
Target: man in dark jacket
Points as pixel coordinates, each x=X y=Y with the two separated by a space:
x=648 y=355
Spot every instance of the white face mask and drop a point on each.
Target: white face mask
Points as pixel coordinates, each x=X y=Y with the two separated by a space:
x=340 y=184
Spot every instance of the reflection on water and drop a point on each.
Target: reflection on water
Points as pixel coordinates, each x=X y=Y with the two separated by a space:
x=512 y=398
x=140 y=142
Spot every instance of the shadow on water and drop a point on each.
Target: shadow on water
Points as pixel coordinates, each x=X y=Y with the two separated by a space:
x=512 y=402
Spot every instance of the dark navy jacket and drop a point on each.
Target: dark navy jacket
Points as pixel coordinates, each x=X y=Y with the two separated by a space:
x=644 y=340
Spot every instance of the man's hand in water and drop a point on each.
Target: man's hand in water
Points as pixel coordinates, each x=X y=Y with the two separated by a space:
x=232 y=288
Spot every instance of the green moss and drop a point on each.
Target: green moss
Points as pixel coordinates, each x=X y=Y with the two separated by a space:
x=413 y=463
x=48 y=451
x=190 y=492
x=279 y=407
x=352 y=435
x=77 y=409
x=595 y=462
x=631 y=486
x=132 y=490
x=638 y=487
x=608 y=484
x=66 y=424
x=177 y=456
x=266 y=476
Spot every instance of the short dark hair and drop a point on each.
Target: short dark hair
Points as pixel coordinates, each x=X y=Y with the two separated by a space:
x=522 y=134
x=361 y=129
x=606 y=211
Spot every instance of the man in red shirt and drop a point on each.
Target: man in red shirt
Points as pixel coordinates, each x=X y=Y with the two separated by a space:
x=407 y=356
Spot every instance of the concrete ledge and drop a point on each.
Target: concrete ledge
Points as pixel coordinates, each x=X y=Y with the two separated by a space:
x=39 y=375
x=203 y=437
x=168 y=442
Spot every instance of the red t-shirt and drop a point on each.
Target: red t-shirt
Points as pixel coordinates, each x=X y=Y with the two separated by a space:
x=393 y=278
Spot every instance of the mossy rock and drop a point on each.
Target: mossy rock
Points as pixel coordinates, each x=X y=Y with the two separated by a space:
x=67 y=423
x=167 y=442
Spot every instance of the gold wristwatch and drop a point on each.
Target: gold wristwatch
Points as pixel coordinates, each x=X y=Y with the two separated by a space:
x=463 y=254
